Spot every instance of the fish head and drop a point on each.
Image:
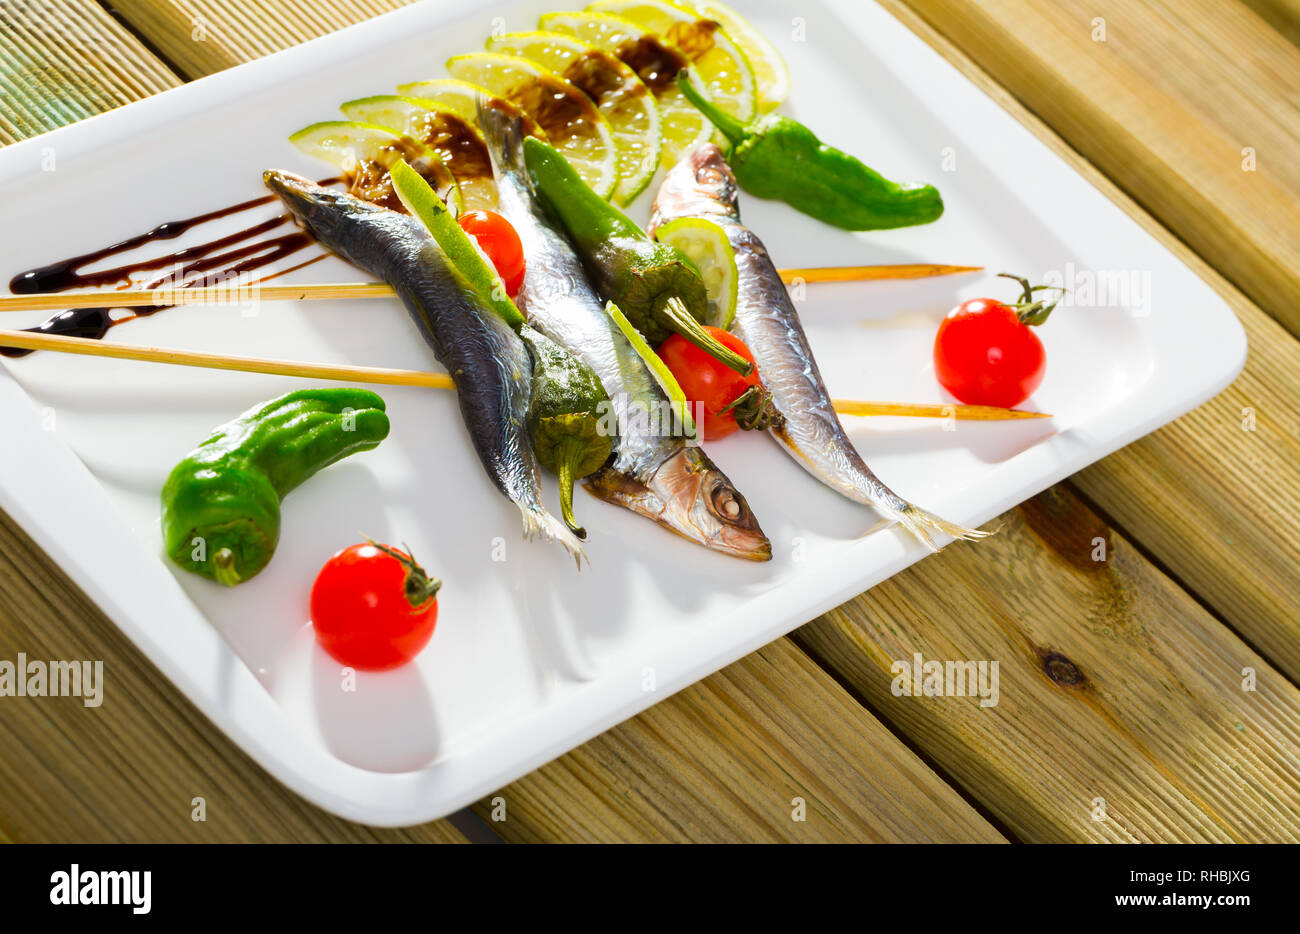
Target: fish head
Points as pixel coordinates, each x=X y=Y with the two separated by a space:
x=689 y=495
x=321 y=210
x=701 y=184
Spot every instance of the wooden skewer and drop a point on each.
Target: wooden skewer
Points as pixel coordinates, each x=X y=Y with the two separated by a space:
x=237 y=293
x=873 y=273
x=381 y=375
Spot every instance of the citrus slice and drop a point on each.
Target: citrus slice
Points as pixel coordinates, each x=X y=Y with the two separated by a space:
x=423 y=203
x=681 y=125
x=615 y=89
x=771 y=76
x=460 y=98
x=364 y=152
x=706 y=245
x=720 y=64
x=571 y=121
x=451 y=136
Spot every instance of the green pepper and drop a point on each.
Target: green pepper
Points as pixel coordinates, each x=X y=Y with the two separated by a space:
x=564 y=418
x=776 y=157
x=567 y=398
x=656 y=286
x=221 y=504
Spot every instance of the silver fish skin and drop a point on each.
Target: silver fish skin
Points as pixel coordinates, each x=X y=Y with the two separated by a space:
x=702 y=185
x=491 y=365
x=652 y=472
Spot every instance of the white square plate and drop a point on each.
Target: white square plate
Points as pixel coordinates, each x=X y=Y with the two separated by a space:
x=531 y=658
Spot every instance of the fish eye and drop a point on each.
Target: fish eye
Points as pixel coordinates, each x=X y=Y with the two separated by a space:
x=725 y=504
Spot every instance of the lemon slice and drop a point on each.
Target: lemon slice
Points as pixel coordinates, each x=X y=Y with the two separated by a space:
x=682 y=126
x=720 y=64
x=460 y=98
x=571 y=121
x=616 y=90
x=451 y=136
x=771 y=76
x=364 y=152
x=706 y=245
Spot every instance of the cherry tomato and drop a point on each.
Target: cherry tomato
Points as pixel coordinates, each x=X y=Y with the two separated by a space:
x=373 y=607
x=707 y=381
x=986 y=352
x=500 y=242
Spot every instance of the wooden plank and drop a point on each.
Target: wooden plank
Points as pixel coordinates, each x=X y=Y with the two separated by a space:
x=202 y=36
x=726 y=761
x=63 y=60
x=128 y=771
x=1218 y=504
x=1165 y=106
x=1114 y=684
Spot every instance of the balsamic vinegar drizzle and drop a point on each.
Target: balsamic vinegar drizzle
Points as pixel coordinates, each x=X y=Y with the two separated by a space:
x=194 y=266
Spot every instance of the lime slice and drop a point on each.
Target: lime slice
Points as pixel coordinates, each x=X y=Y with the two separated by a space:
x=460 y=98
x=681 y=125
x=771 y=76
x=706 y=245
x=364 y=153
x=451 y=136
x=720 y=64
x=575 y=127
x=616 y=90
x=658 y=369
x=460 y=248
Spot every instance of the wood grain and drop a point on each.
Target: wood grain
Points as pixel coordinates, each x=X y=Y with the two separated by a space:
x=725 y=760
x=1217 y=504
x=63 y=60
x=1165 y=106
x=200 y=37
x=1114 y=684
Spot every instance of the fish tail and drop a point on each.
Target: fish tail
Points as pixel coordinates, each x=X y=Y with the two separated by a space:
x=537 y=521
x=924 y=525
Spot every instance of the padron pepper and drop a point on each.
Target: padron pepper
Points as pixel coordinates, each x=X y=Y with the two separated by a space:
x=567 y=399
x=221 y=504
x=779 y=158
x=565 y=417
x=655 y=285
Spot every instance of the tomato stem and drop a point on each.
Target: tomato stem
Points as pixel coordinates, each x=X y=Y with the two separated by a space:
x=754 y=409
x=1029 y=310
x=419 y=588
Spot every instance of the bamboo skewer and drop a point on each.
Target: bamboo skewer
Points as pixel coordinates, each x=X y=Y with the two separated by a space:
x=391 y=377
x=236 y=292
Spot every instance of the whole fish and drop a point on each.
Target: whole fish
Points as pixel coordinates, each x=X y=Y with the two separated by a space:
x=487 y=359
x=652 y=472
x=702 y=185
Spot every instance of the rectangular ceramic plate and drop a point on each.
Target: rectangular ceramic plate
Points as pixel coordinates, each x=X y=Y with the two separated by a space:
x=530 y=657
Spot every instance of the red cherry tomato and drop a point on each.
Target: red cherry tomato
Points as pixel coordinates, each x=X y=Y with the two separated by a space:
x=500 y=242
x=373 y=607
x=707 y=381
x=986 y=352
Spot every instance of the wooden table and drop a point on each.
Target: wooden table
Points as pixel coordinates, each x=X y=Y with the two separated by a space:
x=1129 y=672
